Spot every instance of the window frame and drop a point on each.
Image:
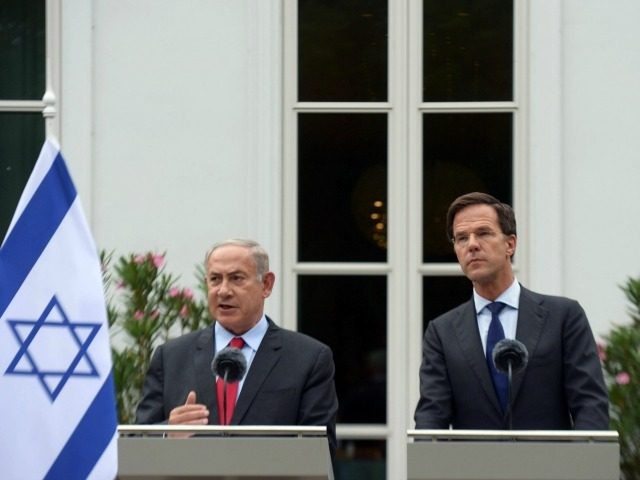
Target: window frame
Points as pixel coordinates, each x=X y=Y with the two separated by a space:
x=404 y=267
x=48 y=104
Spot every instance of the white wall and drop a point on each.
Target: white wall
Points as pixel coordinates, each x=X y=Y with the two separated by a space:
x=585 y=103
x=602 y=151
x=171 y=109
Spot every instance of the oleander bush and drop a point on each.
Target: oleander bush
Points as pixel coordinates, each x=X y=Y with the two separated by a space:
x=145 y=306
x=620 y=357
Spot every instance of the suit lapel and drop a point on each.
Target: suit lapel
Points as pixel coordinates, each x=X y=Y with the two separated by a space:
x=531 y=319
x=466 y=328
x=267 y=356
x=204 y=376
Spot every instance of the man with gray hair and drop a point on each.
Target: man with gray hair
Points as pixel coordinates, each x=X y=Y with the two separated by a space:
x=289 y=378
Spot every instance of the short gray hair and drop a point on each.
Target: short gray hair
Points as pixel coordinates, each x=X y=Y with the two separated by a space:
x=259 y=254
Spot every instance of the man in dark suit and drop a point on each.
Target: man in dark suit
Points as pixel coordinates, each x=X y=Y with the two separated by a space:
x=562 y=386
x=290 y=376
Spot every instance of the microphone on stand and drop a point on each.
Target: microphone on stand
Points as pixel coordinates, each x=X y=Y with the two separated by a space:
x=510 y=356
x=230 y=365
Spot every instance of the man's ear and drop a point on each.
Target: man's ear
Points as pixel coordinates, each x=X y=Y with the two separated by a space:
x=268 y=280
x=512 y=241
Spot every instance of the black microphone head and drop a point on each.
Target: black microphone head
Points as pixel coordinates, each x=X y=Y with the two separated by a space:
x=510 y=351
x=230 y=361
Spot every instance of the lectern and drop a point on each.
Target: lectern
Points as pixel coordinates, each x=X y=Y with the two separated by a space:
x=512 y=455
x=223 y=452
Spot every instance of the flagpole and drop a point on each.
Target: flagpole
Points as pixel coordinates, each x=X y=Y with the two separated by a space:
x=50 y=99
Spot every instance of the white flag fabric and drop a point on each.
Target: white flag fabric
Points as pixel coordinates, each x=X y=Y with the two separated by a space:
x=57 y=404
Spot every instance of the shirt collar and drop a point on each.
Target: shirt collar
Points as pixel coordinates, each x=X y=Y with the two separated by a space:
x=252 y=338
x=510 y=297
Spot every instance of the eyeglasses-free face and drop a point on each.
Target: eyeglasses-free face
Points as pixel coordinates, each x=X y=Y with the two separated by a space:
x=483 y=250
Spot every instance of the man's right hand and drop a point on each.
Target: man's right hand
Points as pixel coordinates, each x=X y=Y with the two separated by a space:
x=191 y=413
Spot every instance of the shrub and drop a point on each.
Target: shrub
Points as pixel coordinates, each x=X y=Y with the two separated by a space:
x=145 y=307
x=621 y=361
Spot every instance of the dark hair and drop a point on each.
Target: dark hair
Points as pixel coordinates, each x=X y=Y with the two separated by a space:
x=506 y=217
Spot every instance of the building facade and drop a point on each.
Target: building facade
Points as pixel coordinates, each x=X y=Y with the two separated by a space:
x=336 y=134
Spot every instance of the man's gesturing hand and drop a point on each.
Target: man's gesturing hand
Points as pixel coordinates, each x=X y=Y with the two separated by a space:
x=191 y=413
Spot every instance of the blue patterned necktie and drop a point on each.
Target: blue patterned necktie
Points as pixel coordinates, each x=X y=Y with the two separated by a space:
x=495 y=334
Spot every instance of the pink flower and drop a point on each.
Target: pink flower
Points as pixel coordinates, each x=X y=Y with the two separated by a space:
x=184 y=311
x=602 y=351
x=158 y=260
x=155 y=314
x=623 y=378
x=174 y=292
x=139 y=259
x=120 y=285
x=138 y=315
x=187 y=293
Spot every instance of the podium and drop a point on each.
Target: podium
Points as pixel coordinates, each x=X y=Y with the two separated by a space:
x=223 y=452
x=512 y=455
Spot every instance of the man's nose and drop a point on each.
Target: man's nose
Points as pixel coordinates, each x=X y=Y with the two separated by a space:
x=473 y=241
x=223 y=289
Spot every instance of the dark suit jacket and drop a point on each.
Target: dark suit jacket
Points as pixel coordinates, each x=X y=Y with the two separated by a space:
x=290 y=381
x=561 y=388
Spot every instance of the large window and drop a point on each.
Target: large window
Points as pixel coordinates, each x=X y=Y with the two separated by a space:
x=22 y=85
x=392 y=109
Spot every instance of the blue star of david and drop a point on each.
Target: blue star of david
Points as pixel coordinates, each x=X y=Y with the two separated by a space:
x=79 y=363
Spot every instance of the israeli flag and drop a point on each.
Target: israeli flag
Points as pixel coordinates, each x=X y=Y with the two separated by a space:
x=57 y=404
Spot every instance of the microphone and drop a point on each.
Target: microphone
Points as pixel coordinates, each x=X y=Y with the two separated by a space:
x=229 y=364
x=510 y=353
x=509 y=356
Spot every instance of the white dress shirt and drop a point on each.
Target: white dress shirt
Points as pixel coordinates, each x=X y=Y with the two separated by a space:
x=252 y=340
x=508 y=316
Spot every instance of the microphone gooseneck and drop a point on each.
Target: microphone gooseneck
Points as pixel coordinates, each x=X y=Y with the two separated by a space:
x=509 y=356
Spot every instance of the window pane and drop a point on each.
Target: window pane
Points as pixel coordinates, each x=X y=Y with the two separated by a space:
x=348 y=313
x=342 y=187
x=21 y=138
x=463 y=152
x=361 y=459
x=468 y=50
x=22 y=49
x=441 y=294
x=342 y=50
